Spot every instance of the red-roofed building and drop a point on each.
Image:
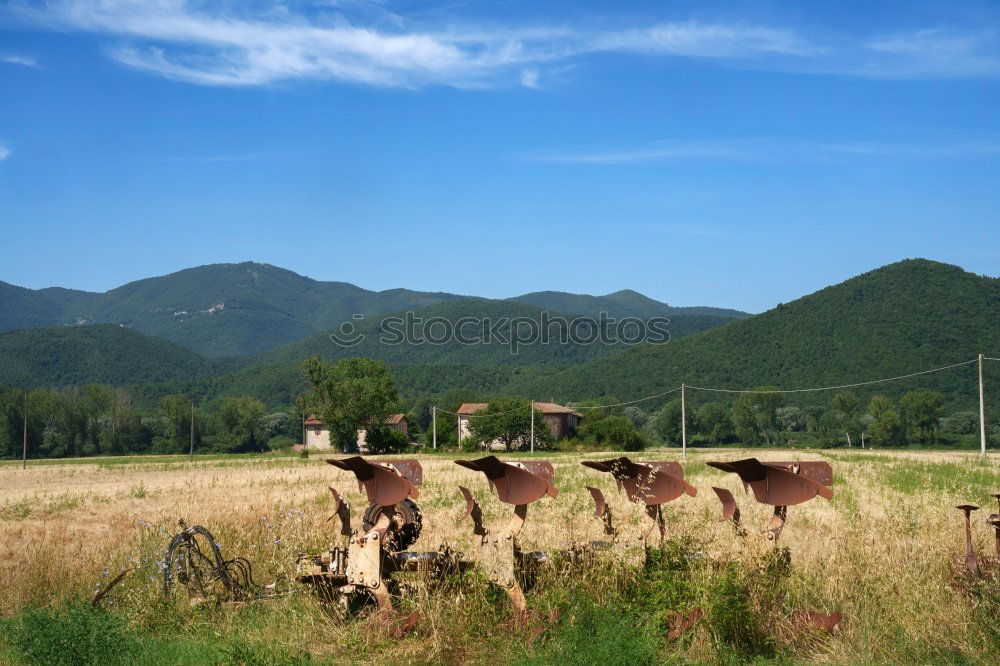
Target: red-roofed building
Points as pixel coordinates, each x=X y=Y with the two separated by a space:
x=317 y=436
x=562 y=421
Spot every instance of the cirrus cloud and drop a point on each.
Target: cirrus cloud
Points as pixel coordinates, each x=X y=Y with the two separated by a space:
x=267 y=42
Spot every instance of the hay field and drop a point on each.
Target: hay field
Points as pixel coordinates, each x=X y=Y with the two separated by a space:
x=881 y=552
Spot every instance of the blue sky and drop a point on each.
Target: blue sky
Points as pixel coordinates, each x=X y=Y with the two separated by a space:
x=732 y=154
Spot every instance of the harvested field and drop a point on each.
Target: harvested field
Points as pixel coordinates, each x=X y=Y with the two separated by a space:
x=881 y=552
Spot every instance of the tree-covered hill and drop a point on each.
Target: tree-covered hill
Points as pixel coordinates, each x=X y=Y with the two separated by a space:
x=107 y=354
x=244 y=309
x=901 y=318
x=495 y=324
x=624 y=303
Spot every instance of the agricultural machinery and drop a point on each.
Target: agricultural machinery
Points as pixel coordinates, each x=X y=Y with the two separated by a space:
x=778 y=484
x=650 y=484
x=378 y=548
x=370 y=559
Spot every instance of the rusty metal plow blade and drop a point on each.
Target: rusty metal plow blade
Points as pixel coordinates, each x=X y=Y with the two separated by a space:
x=779 y=484
x=515 y=483
x=341 y=510
x=651 y=484
x=729 y=509
x=994 y=522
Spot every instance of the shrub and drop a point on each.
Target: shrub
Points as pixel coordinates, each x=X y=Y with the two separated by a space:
x=75 y=635
x=614 y=432
x=382 y=439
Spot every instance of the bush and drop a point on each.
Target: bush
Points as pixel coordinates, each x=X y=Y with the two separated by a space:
x=961 y=423
x=75 y=635
x=282 y=442
x=614 y=432
x=383 y=439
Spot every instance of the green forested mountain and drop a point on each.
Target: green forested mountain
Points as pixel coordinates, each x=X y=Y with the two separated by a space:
x=625 y=303
x=242 y=309
x=215 y=310
x=495 y=324
x=901 y=318
x=108 y=354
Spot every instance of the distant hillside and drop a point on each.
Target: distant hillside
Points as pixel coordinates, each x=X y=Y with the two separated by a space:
x=377 y=342
x=67 y=355
x=904 y=317
x=243 y=309
x=625 y=303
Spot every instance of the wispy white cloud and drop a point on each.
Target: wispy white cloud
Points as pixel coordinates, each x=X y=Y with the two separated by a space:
x=205 y=44
x=271 y=41
x=4 y=153
x=18 y=59
x=760 y=150
x=707 y=41
x=529 y=79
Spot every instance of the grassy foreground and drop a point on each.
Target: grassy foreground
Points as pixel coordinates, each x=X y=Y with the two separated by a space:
x=881 y=552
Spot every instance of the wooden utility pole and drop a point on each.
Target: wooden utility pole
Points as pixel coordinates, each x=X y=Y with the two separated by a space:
x=532 y=426
x=982 y=411
x=24 y=458
x=684 y=431
x=191 y=452
x=434 y=425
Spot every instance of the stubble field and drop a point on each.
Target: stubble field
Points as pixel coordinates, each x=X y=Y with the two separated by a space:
x=881 y=552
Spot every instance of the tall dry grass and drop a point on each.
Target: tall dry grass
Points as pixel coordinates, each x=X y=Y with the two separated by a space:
x=881 y=552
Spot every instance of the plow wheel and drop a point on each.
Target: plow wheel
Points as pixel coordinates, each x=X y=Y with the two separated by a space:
x=406 y=519
x=193 y=560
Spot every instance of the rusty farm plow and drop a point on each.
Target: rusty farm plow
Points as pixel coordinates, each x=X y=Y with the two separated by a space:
x=373 y=556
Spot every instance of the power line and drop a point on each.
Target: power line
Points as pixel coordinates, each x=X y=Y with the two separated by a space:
x=632 y=402
x=721 y=390
x=830 y=388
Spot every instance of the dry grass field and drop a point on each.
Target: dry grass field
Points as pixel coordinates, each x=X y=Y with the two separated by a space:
x=880 y=551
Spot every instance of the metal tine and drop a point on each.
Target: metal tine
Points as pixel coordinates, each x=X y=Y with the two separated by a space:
x=971 y=563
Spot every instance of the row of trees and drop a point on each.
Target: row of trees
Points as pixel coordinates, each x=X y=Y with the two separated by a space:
x=103 y=420
x=359 y=393
x=763 y=419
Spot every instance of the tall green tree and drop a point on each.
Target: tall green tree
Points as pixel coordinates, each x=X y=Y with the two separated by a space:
x=755 y=416
x=884 y=426
x=241 y=425
x=846 y=410
x=922 y=415
x=174 y=427
x=349 y=395
x=667 y=424
x=715 y=421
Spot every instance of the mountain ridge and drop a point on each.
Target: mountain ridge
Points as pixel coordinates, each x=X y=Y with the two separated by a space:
x=220 y=310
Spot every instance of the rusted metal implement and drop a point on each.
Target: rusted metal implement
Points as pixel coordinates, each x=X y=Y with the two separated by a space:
x=194 y=561
x=378 y=548
x=520 y=484
x=650 y=483
x=970 y=562
x=779 y=484
x=994 y=522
